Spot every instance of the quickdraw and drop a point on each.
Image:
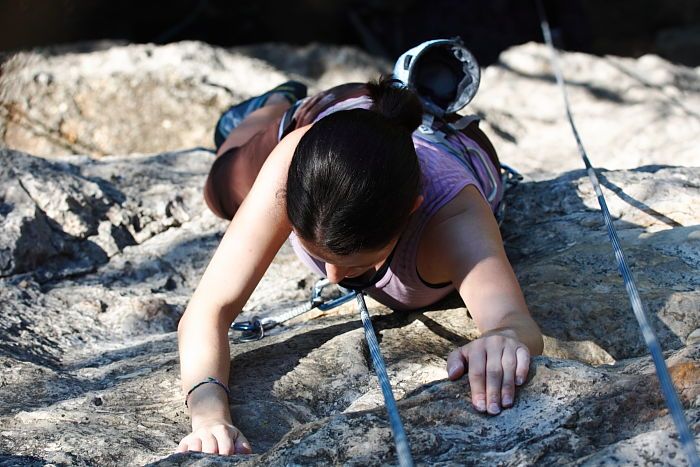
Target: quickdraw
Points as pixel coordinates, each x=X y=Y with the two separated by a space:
x=254 y=329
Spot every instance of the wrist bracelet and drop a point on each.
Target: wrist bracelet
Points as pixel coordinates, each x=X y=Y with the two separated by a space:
x=208 y=380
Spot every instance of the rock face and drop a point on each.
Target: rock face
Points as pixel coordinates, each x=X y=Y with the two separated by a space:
x=147 y=99
x=98 y=257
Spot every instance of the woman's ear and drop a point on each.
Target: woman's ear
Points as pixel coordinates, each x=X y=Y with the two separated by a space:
x=417 y=203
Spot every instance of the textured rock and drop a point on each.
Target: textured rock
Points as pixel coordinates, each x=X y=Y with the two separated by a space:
x=98 y=257
x=146 y=98
x=655 y=106
x=560 y=249
x=130 y=99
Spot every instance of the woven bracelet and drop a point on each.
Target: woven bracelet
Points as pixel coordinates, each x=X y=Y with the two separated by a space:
x=208 y=380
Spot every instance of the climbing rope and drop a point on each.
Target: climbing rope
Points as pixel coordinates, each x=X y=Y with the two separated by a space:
x=403 y=450
x=255 y=330
x=686 y=438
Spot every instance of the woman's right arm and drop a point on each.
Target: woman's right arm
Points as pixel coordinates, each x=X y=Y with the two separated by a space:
x=249 y=245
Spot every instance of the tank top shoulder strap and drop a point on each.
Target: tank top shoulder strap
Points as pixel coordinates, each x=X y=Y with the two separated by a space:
x=317 y=104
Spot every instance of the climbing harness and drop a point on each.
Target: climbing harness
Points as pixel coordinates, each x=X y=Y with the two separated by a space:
x=686 y=437
x=255 y=328
x=509 y=177
x=427 y=131
x=445 y=76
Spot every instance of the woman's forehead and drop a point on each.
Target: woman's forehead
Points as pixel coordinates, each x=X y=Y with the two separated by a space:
x=360 y=258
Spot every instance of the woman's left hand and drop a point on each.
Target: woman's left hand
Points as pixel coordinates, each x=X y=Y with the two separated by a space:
x=495 y=364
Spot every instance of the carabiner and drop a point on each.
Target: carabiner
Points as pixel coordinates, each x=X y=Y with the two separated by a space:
x=252 y=330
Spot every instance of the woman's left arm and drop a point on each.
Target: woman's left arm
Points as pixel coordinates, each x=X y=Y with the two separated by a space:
x=469 y=249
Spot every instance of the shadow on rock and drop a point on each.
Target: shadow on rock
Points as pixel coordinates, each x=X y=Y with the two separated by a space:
x=555 y=238
x=283 y=381
x=8 y=460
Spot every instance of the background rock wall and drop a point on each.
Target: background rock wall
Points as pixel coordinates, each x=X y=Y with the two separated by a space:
x=101 y=247
x=383 y=27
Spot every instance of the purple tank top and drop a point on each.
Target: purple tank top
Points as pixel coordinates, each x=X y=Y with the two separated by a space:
x=444 y=176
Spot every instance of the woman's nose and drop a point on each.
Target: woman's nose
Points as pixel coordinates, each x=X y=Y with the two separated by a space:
x=335 y=273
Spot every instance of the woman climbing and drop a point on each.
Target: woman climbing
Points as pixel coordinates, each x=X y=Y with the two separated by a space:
x=370 y=203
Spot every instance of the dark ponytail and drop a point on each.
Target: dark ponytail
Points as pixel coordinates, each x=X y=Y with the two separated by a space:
x=391 y=99
x=354 y=176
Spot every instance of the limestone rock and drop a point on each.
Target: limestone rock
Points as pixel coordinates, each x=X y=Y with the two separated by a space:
x=565 y=263
x=129 y=99
x=146 y=98
x=629 y=112
x=99 y=256
x=95 y=353
x=67 y=217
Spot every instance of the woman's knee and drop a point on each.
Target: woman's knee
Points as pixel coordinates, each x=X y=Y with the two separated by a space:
x=218 y=189
x=214 y=202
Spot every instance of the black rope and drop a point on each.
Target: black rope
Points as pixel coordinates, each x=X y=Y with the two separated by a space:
x=403 y=449
x=686 y=438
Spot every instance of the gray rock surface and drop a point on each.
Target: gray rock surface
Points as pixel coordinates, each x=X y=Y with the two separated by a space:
x=98 y=257
x=148 y=99
x=630 y=113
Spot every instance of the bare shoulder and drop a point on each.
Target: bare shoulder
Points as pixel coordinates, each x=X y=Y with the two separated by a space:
x=468 y=204
x=281 y=156
x=264 y=205
x=463 y=225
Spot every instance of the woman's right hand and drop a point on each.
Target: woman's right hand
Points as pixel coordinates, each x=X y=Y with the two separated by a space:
x=216 y=436
x=255 y=235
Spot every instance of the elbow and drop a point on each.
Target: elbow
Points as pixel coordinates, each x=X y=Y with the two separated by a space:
x=181 y=328
x=535 y=340
x=537 y=345
x=182 y=325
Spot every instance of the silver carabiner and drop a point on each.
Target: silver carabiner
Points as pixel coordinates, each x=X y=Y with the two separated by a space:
x=252 y=330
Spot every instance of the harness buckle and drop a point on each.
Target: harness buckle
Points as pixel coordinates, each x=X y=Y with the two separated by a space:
x=426 y=127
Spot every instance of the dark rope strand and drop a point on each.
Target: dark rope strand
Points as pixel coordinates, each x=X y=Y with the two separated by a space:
x=403 y=450
x=686 y=438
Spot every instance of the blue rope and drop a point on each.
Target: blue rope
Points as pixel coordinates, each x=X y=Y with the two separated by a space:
x=403 y=450
x=669 y=392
